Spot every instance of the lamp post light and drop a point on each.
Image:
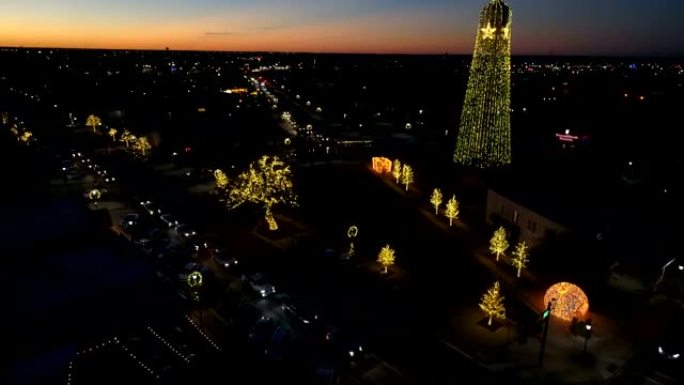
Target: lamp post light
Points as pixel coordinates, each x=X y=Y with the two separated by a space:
x=587 y=335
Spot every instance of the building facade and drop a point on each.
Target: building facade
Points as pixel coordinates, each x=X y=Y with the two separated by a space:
x=525 y=224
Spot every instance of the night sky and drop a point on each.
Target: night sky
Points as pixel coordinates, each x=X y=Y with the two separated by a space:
x=596 y=27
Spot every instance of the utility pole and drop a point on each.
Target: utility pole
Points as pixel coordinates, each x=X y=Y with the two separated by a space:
x=546 y=316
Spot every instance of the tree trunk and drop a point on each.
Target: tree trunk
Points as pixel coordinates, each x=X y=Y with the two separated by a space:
x=272 y=224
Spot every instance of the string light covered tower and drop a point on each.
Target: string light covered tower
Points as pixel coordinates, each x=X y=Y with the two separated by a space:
x=484 y=139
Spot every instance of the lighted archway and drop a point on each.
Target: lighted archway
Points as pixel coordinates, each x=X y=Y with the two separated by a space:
x=568 y=301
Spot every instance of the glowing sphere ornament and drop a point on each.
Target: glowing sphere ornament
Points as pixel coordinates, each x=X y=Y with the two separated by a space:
x=568 y=301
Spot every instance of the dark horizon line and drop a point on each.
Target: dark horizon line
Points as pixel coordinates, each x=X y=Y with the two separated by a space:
x=574 y=55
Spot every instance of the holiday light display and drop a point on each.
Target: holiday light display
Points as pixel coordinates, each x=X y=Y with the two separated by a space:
x=267 y=182
x=436 y=199
x=567 y=300
x=93 y=122
x=484 y=139
x=221 y=178
x=406 y=176
x=520 y=257
x=386 y=257
x=492 y=303
x=498 y=244
x=396 y=170
x=452 y=210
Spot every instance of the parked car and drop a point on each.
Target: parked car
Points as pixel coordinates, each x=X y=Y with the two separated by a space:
x=259 y=284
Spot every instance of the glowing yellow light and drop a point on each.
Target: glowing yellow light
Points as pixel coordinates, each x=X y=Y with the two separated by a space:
x=94 y=194
x=194 y=279
x=436 y=199
x=386 y=257
x=26 y=136
x=93 y=122
x=567 y=300
x=452 y=210
x=492 y=303
x=520 y=257
x=506 y=32
x=221 y=178
x=484 y=138
x=268 y=182
x=407 y=176
x=498 y=244
x=396 y=170
x=488 y=32
x=381 y=165
x=142 y=145
x=112 y=133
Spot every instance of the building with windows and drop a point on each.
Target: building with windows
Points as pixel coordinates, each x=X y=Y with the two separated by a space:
x=523 y=222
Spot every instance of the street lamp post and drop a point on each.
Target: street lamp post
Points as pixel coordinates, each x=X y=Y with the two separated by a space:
x=587 y=335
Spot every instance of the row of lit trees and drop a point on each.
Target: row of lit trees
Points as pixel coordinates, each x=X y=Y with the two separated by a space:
x=498 y=245
x=139 y=144
x=402 y=173
x=451 y=210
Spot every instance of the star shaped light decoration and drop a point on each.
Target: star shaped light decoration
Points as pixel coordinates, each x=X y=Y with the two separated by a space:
x=488 y=32
x=506 y=31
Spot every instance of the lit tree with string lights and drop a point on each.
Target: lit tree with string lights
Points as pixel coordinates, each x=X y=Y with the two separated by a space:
x=112 y=133
x=221 y=178
x=407 y=176
x=267 y=182
x=386 y=257
x=452 y=210
x=436 y=199
x=498 y=244
x=492 y=304
x=484 y=139
x=93 y=122
x=142 y=145
x=520 y=257
x=396 y=170
x=127 y=137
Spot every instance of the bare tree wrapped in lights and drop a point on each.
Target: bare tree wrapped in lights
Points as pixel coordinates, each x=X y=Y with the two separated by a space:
x=221 y=178
x=498 y=244
x=406 y=176
x=396 y=170
x=520 y=256
x=142 y=145
x=93 y=122
x=112 y=133
x=386 y=257
x=452 y=210
x=492 y=303
x=127 y=137
x=436 y=199
x=484 y=139
x=268 y=182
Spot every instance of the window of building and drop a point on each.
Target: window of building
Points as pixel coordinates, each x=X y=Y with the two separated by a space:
x=515 y=216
